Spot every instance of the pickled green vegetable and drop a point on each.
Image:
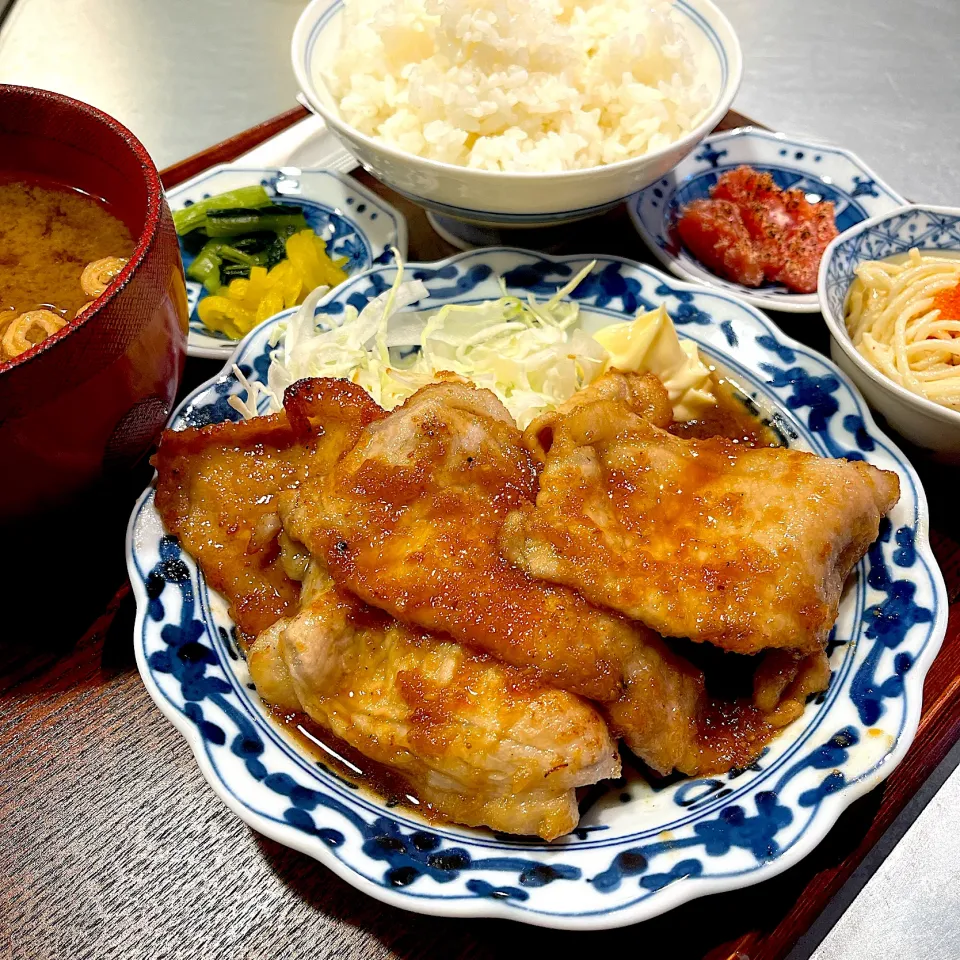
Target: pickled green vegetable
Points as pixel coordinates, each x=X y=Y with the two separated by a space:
x=192 y=217
x=278 y=218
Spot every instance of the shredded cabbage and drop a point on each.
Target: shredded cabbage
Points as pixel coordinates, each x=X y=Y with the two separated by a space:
x=532 y=355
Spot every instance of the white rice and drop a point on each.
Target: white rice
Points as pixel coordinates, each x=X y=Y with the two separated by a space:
x=520 y=85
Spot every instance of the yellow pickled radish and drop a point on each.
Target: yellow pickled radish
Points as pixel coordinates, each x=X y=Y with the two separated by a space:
x=271 y=303
x=226 y=315
x=285 y=277
x=294 y=294
x=331 y=269
x=302 y=254
x=308 y=254
x=237 y=290
x=245 y=302
x=258 y=287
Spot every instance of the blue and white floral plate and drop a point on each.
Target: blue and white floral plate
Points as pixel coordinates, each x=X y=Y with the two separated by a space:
x=821 y=171
x=640 y=849
x=355 y=223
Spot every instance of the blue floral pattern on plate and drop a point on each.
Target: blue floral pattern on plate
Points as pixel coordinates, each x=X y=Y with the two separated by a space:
x=822 y=172
x=354 y=222
x=641 y=848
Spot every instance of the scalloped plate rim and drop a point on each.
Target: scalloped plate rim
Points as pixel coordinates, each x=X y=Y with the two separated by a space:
x=677 y=893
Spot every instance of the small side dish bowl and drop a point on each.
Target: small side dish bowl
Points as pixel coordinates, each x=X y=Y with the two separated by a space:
x=931 y=230
x=92 y=397
x=503 y=199
x=821 y=171
x=355 y=223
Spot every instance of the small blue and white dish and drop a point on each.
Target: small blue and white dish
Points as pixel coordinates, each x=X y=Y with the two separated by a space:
x=354 y=222
x=932 y=230
x=640 y=849
x=822 y=172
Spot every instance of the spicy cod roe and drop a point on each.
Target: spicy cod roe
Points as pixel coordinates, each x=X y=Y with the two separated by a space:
x=750 y=231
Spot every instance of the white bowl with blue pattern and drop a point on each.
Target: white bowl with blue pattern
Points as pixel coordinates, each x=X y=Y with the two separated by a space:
x=505 y=199
x=934 y=230
x=821 y=171
x=640 y=850
x=354 y=222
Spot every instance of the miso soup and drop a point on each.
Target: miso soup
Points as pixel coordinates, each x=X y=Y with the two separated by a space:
x=49 y=236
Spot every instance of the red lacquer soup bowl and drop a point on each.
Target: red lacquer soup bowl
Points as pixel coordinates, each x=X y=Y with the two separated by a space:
x=92 y=398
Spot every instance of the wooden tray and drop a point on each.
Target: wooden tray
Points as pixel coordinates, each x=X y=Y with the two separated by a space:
x=144 y=859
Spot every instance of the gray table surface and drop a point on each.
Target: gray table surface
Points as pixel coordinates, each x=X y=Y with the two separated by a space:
x=877 y=76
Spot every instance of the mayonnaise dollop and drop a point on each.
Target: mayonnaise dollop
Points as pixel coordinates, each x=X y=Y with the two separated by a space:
x=649 y=344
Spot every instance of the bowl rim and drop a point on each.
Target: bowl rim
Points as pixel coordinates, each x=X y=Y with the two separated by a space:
x=151 y=223
x=788 y=303
x=730 y=45
x=838 y=329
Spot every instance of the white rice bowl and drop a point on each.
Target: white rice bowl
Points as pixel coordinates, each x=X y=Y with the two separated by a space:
x=519 y=85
